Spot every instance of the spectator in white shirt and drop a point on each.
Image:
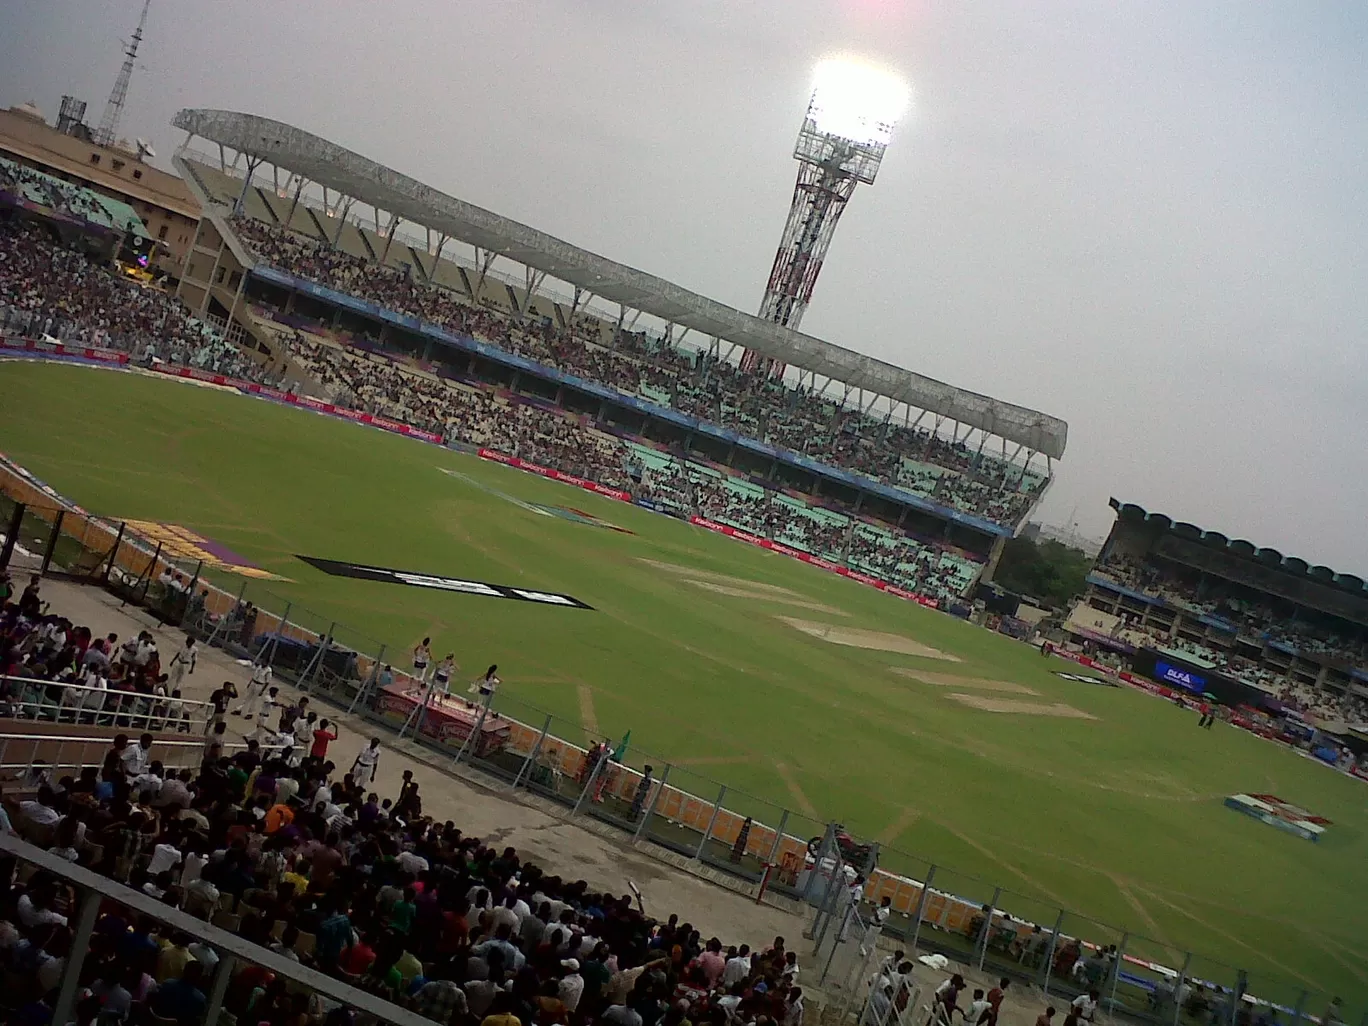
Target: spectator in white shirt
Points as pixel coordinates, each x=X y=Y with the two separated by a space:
x=164 y=856
x=571 y=986
x=737 y=968
x=1085 y=1005
x=136 y=758
x=39 y=811
x=34 y=908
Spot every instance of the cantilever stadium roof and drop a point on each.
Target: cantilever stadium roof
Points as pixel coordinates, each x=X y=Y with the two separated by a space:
x=336 y=167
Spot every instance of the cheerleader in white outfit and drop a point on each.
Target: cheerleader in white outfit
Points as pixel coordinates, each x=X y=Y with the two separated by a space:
x=422 y=659
x=441 y=676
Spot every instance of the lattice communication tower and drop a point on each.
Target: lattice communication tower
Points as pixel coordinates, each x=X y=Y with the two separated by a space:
x=845 y=134
x=106 y=134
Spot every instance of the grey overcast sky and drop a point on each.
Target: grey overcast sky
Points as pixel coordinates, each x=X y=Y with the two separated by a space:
x=1148 y=217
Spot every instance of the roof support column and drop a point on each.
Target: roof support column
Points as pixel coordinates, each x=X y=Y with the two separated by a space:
x=1015 y=452
x=931 y=436
x=534 y=279
x=617 y=329
x=883 y=428
x=342 y=211
x=390 y=229
x=484 y=258
x=442 y=240
x=252 y=164
x=294 y=203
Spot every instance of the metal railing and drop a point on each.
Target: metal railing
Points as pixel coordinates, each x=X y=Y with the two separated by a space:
x=62 y=702
x=20 y=754
x=234 y=952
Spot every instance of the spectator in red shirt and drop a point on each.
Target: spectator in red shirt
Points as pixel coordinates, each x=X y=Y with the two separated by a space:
x=995 y=997
x=321 y=737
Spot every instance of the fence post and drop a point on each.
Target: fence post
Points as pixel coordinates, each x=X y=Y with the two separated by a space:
x=416 y=716
x=828 y=839
x=190 y=591
x=1182 y=979
x=1050 y=952
x=1301 y=1009
x=1237 y=995
x=778 y=837
x=921 y=909
x=370 y=682
x=712 y=821
x=650 y=808
x=113 y=554
x=475 y=729
x=821 y=923
x=1116 y=968
x=223 y=620
x=80 y=944
x=981 y=941
x=12 y=535
x=151 y=569
x=51 y=546
x=589 y=784
x=274 y=643
x=532 y=755
x=317 y=660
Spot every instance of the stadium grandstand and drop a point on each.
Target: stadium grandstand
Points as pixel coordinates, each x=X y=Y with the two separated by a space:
x=1214 y=615
x=306 y=257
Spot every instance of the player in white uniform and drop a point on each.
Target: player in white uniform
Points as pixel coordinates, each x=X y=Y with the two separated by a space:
x=363 y=769
x=256 y=690
x=183 y=663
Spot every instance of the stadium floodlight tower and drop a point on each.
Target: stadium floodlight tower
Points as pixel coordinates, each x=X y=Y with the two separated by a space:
x=847 y=129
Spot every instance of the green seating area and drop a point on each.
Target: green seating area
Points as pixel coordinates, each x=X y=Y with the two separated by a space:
x=67 y=198
x=655 y=395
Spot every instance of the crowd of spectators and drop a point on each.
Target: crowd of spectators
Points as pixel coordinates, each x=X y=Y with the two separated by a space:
x=948 y=471
x=45 y=190
x=125 y=682
x=553 y=437
x=47 y=288
x=314 y=867
x=1258 y=622
x=1252 y=614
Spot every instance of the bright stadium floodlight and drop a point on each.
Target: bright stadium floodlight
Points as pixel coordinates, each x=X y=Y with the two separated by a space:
x=857 y=101
x=849 y=123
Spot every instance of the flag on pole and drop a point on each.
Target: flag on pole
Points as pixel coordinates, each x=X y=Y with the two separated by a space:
x=621 y=749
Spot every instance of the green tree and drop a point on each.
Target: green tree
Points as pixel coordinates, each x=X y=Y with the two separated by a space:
x=1046 y=570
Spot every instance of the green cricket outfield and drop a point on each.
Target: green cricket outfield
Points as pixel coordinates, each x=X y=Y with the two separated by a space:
x=989 y=764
